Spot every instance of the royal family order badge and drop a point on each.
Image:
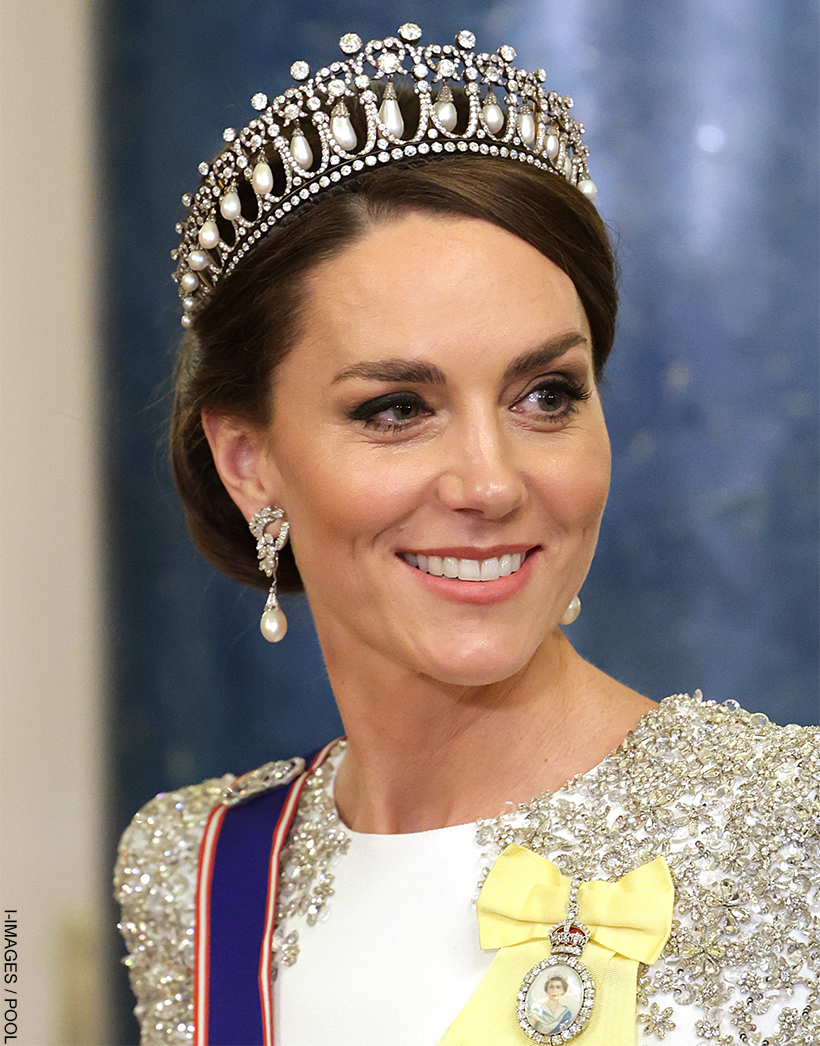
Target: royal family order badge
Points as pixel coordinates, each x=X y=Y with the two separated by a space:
x=556 y=996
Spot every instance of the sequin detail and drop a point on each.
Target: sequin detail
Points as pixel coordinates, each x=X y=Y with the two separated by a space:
x=727 y=797
x=316 y=841
x=155 y=882
x=730 y=800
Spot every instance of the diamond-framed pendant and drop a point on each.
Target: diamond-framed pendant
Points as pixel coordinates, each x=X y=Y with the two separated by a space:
x=555 y=1000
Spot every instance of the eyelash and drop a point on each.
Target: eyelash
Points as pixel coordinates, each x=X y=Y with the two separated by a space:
x=575 y=392
x=368 y=412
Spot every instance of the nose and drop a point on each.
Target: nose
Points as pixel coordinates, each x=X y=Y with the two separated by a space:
x=480 y=474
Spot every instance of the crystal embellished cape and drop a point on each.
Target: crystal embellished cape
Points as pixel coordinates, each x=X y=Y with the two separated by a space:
x=729 y=799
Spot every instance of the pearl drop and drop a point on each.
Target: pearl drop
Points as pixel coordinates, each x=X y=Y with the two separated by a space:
x=493 y=117
x=229 y=206
x=185 y=320
x=189 y=304
x=262 y=178
x=189 y=282
x=209 y=235
x=526 y=127
x=300 y=150
x=572 y=611
x=448 y=117
x=342 y=130
x=588 y=188
x=273 y=625
x=390 y=116
x=198 y=260
x=552 y=146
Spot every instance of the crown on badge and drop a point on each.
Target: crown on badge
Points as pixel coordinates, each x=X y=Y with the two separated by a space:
x=349 y=118
x=568 y=938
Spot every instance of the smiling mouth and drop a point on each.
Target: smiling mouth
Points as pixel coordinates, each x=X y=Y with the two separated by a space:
x=467 y=569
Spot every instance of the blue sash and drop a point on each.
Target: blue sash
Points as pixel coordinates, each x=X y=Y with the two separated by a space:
x=243 y=869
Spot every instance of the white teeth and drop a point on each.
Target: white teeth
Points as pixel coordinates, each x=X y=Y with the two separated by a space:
x=450 y=564
x=467 y=569
x=490 y=570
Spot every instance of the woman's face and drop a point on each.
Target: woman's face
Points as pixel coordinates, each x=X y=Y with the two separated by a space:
x=440 y=404
x=555 y=989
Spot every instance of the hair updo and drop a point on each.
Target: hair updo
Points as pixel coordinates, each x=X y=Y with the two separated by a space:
x=253 y=318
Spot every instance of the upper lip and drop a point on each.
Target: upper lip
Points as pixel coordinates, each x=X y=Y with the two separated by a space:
x=467 y=552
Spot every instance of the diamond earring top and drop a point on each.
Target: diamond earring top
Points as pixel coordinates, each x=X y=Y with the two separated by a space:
x=269 y=168
x=274 y=624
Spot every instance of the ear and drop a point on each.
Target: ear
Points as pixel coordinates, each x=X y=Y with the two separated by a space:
x=243 y=460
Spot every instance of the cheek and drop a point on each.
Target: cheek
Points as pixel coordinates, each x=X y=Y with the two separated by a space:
x=341 y=502
x=575 y=486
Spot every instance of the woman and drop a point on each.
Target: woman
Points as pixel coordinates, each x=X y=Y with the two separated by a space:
x=551 y=1013
x=399 y=309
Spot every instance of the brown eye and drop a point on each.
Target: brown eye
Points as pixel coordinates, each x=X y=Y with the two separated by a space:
x=393 y=411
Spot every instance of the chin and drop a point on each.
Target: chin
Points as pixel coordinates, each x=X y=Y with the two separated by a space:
x=482 y=662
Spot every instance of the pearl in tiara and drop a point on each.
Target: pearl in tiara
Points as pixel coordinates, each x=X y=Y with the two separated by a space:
x=347 y=119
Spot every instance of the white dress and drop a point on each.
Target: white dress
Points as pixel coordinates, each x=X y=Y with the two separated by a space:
x=378 y=939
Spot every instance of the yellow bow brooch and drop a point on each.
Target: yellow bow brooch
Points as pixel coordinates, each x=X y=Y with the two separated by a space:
x=523 y=899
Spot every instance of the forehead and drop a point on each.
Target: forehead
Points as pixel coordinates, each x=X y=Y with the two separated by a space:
x=435 y=285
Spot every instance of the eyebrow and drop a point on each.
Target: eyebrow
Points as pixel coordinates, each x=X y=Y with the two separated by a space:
x=396 y=369
x=543 y=355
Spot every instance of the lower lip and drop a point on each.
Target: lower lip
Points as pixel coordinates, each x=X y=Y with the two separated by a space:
x=477 y=593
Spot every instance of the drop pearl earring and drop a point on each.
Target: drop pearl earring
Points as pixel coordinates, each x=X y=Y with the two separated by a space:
x=274 y=624
x=572 y=611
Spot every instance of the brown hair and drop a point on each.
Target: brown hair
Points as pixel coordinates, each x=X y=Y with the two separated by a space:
x=252 y=320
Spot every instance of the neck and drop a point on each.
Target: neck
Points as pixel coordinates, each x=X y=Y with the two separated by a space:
x=424 y=754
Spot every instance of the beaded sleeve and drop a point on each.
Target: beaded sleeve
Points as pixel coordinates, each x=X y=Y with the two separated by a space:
x=155 y=883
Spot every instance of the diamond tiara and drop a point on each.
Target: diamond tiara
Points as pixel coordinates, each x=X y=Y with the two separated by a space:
x=269 y=168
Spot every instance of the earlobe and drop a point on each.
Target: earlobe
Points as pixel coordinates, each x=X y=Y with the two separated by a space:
x=242 y=460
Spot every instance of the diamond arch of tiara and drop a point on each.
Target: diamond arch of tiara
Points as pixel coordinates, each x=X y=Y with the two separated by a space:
x=268 y=168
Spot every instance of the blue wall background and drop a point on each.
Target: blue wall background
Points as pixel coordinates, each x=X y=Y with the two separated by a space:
x=703 y=129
